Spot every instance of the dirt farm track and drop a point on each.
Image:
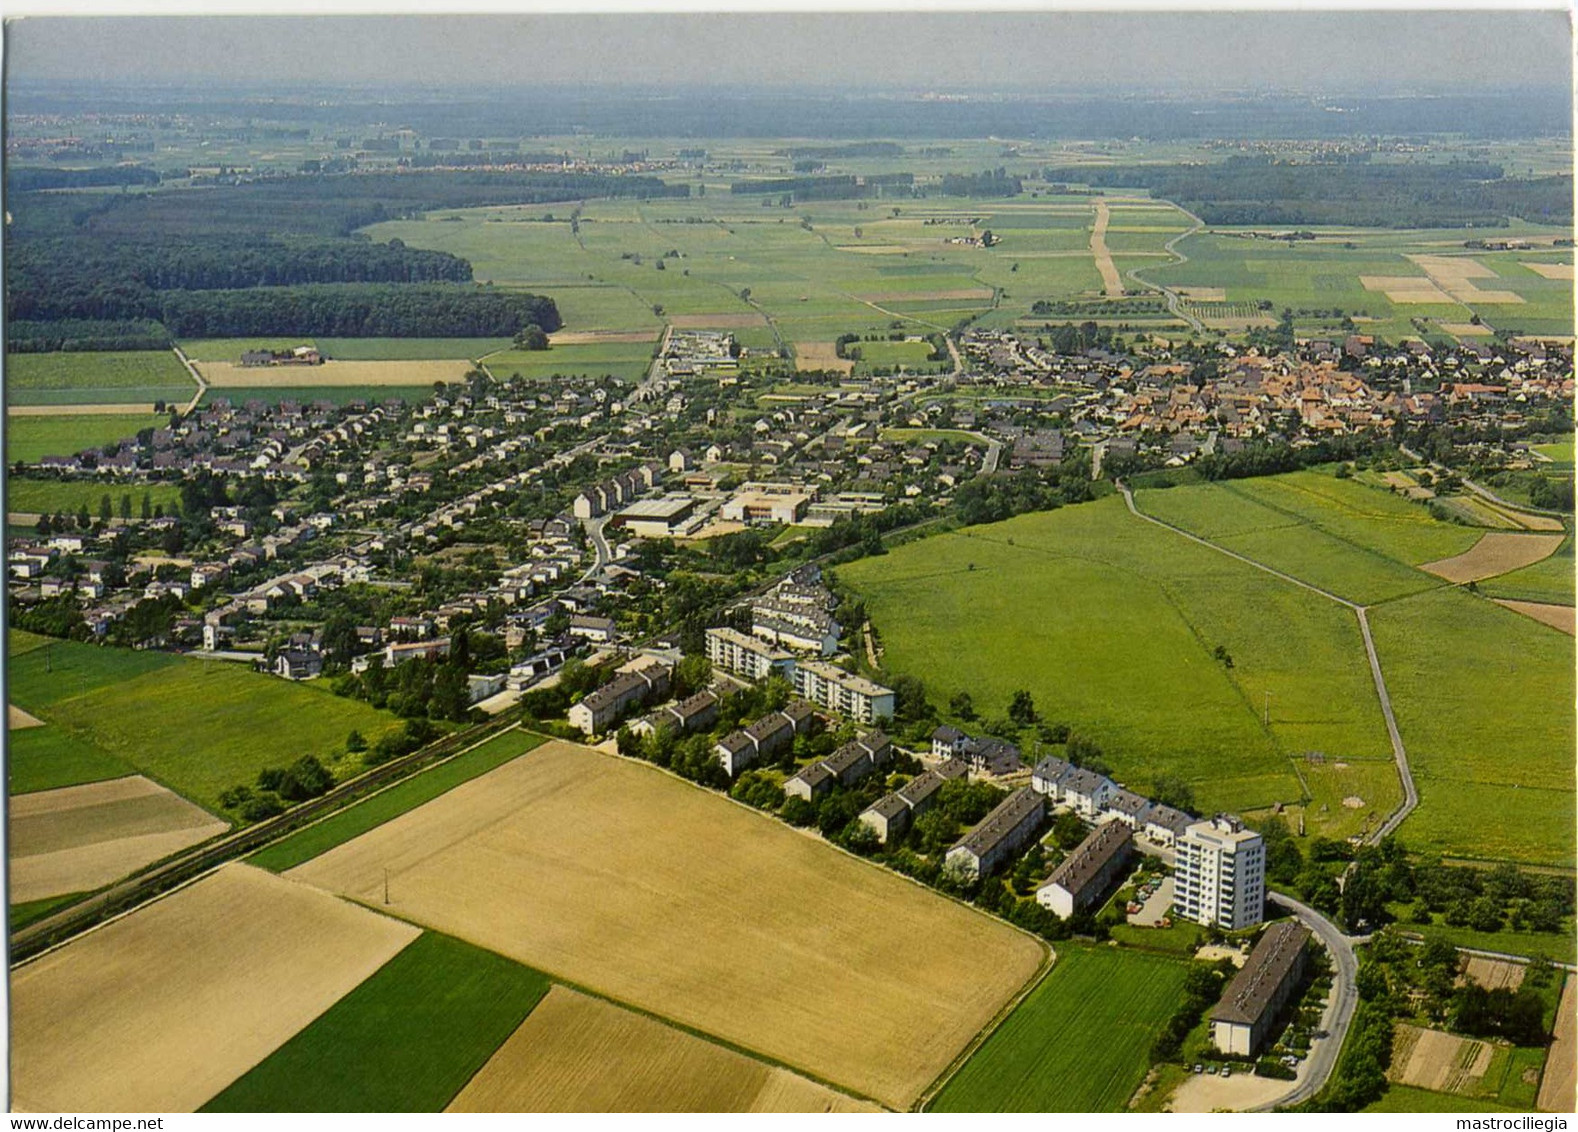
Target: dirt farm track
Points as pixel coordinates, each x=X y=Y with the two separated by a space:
x=159 y=1010
x=618 y=877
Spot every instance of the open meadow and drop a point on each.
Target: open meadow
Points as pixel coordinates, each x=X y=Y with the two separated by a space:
x=160 y=1010
x=198 y=727
x=1079 y=1042
x=38 y=496
x=801 y=275
x=615 y=876
x=233 y=379
x=31 y=438
x=576 y=1053
x=1478 y=691
x=79 y=838
x=1111 y=624
x=405 y=1040
x=93 y=377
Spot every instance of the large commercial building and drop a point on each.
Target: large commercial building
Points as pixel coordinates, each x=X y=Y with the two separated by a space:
x=830 y=687
x=1219 y=874
x=656 y=518
x=766 y=503
x=734 y=652
x=1242 y=1020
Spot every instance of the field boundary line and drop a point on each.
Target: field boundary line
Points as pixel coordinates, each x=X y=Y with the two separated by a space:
x=951 y=1070
x=1399 y=752
x=604 y=996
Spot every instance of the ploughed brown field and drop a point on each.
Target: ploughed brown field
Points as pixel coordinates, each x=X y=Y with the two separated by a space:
x=820 y=355
x=614 y=875
x=575 y=1053
x=1556 y=616
x=160 y=1010
x=79 y=838
x=1497 y=552
x=1557 y=1087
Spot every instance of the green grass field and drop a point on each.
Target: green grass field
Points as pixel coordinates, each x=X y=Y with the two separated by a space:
x=406 y=1040
x=231 y=349
x=1559 y=453
x=1483 y=700
x=1080 y=1041
x=1559 y=946
x=30 y=439
x=308 y=843
x=91 y=377
x=40 y=496
x=1360 y=542
x=1111 y=624
x=43 y=758
x=628 y=361
x=1550 y=580
x=199 y=727
x=333 y=394
x=21 y=915
x=1406 y=1098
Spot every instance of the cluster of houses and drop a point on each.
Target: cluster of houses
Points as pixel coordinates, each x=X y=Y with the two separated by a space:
x=641 y=681
x=601 y=498
x=844 y=767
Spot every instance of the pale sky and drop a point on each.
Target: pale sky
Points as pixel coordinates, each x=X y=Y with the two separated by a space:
x=1333 y=51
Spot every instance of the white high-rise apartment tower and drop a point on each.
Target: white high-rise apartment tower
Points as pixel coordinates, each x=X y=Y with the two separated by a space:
x=1219 y=877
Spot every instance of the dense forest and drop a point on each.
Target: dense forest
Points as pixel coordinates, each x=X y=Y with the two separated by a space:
x=28 y=178
x=1260 y=191
x=992 y=183
x=27 y=337
x=356 y=310
x=268 y=257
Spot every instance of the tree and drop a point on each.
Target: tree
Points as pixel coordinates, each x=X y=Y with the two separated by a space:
x=1022 y=709
x=531 y=337
x=354 y=742
x=106 y=508
x=84 y=520
x=962 y=705
x=147 y=506
x=1067 y=830
x=126 y=510
x=909 y=697
x=1171 y=790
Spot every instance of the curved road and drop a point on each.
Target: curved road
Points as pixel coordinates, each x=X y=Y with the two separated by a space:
x=1339 y=1012
x=1399 y=753
x=1174 y=303
x=1345 y=994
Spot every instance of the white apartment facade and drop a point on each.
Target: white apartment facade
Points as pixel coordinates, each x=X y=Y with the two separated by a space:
x=1219 y=874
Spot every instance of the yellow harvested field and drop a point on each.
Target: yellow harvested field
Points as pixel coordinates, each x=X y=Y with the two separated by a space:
x=971 y=294
x=732 y=320
x=1111 y=281
x=874 y=249
x=1466 y=329
x=1557 y=1087
x=820 y=355
x=1456 y=274
x=161 y=1009
x=1203 y=294
x=594 y=337
x=1550 y=270
x=18 y=720
x=81 y=410
x=1556 y=616
x=1495 y=553
x=1406 y=289
x=230 y=375
x=1493 y=973
x=1430 y=1059
x=575 y=1053
x=616 y=876
x=79 y=838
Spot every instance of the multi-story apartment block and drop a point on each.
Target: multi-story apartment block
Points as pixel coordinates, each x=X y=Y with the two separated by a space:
x=1219 y=874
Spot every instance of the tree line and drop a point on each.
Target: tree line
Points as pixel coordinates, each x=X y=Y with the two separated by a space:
x=75 y=277
x=356 y=310
x=1260 y=191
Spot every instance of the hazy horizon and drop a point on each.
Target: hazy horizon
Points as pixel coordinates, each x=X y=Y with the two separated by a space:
x=1012 y=53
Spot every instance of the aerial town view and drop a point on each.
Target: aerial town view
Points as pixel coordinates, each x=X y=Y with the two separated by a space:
x=791 y=562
